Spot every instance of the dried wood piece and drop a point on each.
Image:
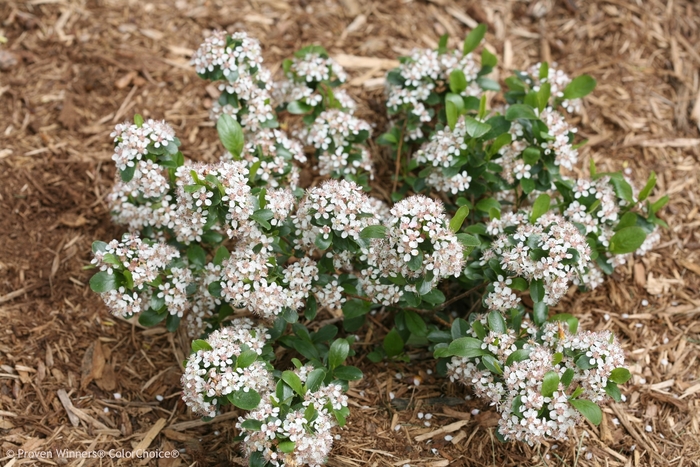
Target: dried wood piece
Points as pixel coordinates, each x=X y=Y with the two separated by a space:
x=354 y=61
x=68 y=405
x=441 y=431
x=150 y=435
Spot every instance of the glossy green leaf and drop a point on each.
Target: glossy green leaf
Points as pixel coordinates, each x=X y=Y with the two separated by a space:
x=627 y=240
x=473 y=39
x=230 y=134
x=588 y=409
x=579 y=87
x=246 y=400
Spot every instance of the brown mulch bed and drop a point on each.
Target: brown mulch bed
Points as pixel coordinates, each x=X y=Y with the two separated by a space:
x=71 y=69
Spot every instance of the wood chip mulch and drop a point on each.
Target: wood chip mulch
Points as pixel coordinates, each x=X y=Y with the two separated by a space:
x=72 y=377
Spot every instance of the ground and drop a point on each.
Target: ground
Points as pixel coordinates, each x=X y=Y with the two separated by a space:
x=70 y=70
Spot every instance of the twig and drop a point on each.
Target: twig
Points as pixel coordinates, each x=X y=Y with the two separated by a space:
x=458 y=297
x=398 y=156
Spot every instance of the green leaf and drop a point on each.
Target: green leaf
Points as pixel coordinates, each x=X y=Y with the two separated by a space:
x=230 y=134
x=415 y=263
x=356 y=307
x=172 y=322
x=98 y=246
x=550 y=383
x=458 y=219
x=523 y=111
x=539 y=313
x=544 y=70
x=246 y=400
x=473 y=39
x=415 y=323
x=613 y=391
x=323 y=243
x=251 y=425
x=627 y=240
x=246 y=358
x=298 y=108
x=543 y=96
x=500 y=141
x=467 y=347
x=496 y=322
x=200 y=344
x=557 y=358
x=104 y=282
x=540 y=206
x=293 y=381
x=623 y=188
x=340 y=348
x=620 y=375
x=579 y=87
x=571 y=320
x=661 y=202
x=460 y=328
x=486 y=204
x=197 y=255
x=492 y=364
x=458 y=82
x=454 y=105
x=519 y=284
x=286 y=446
x=393 y=344
x=528 y=185
x=221 y=255
x=256 y=459
x=531 y=155
x=488 y=59
x=651 y=183
x=442 y=44
x=584 y=362
x=518 y=356
x=347 y=373
x=315 y=379
x=138 y=120
x=488 y=84
x=537 y=290
x=567 y=377
x=373 y=231
x=476 y=128
x=588 y=409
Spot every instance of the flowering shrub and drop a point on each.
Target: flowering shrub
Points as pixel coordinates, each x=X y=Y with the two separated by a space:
x=484 y=215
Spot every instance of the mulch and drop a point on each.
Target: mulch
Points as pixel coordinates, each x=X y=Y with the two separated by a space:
x=72 y=377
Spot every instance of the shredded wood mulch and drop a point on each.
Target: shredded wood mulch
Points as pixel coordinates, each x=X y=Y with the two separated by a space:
x=74 y=378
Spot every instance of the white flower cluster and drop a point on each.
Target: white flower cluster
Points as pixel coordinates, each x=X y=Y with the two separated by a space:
x=563 y=252
x=236 y=60
x=253 y=280
x=203 y=302
x=337 y=208
x=420 y=74
x=440 y=152
x=560 y=131
x=418 y=242
x=275 y=151
x=215 y=373
x=526 y=414
x=333 y=134
x=173 y=291
x=144 y=261
x=600 y=194
x=312 y=437
x=558 y=80
x=303 y=77
x=132 y=143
